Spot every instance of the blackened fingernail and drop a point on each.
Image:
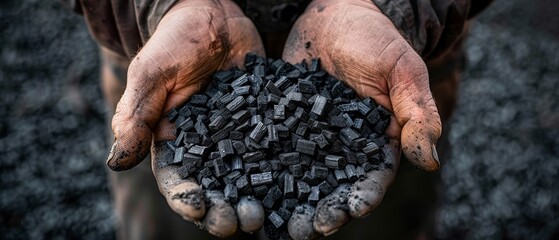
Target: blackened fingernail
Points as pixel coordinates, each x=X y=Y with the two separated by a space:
x=110 y=161
x=435 y=154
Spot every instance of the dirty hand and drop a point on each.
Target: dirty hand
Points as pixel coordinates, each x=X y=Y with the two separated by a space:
x=192 y=41
x=358 y=44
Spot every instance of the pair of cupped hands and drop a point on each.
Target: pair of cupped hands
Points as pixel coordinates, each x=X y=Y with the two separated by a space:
x=355 y=42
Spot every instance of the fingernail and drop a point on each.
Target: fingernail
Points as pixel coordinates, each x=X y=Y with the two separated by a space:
x=110 y=161
x=435 y=154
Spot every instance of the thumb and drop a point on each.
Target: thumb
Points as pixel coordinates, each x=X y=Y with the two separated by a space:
x=137 y=114
x=416 y=111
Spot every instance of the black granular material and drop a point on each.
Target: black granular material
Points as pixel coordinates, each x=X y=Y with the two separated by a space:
x=285 y=134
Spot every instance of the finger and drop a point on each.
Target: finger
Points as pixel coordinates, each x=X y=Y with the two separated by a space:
x=184 y=196
x=250 y=213
x=220 y=219
x=366 y=194
x=415 y=110
x=331 y=211
x=300 y=225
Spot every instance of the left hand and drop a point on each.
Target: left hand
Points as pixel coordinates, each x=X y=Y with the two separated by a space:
x=358 y=44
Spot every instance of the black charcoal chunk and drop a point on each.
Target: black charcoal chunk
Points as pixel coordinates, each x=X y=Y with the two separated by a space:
x=306 y=86
x=340 y=176
x=314 y=195
x=179 y=155
x=275 y=219
x=260 y=190
x=284 y=213
x=332 y=180
x=273 y=195
x=242 y=80
x=296 y=170
x=303 y=190
x=318 y=172
x=261 y=179
x=265 y=166
x=320 y=106
x=225 y=147
x=192 y=137
x=258 y=132
x=273 y=89
x=335 y=162
x=273 y=135
x=325 y=188
x=240 y=147
x=291 y=123
x=199 y=99
x=288 y=186
x=358 y=144
x=219 y=167
x=279 y=112
x=348 y=135
x=367 y=166
x=222 y=76
x=210 y=183
x=371 y=149
x=350 y=172
x=275 y=164
x=237 y=103
x=240 y=116
x=231 y=192
x=251 y=167
x=289 y=203
x=289 y=158
x=253 y=156
x=237 y=163
x=222 y=133
x=231 y=177
x=236 y=135
x=320 y=140
x=360 y=172
x=198 y=150
x=305 y=146
x=242 y=185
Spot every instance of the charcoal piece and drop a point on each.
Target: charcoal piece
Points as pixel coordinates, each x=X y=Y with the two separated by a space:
x=242 y=91
x=350 y=172
x=340 y=100
x=280 y=178
x=332 y=180
x=179 y=155
x=273 y=99
x=286 y=146
x=336 y=147
x=256 y=156
x=305 y=146
x=173 y=114
x=185 y=112
x=291 y=123
x=320 y=140
x=239 y=147
x=237 y=103
x=381 y=141
x=309 y=178
x=360 y=172
x=231 y=193
x=306 y=86
x=282 y=83
x=251 y=101
x=334 y=111
x=186 y=124
x=279 y=112
x=273 y=89
x=303 y=190
x=259 y=71
x=260 y=190
x=301 y=114
x=219 y=167
x=349 y=107
x=349 y=119
x=214 y=155
x=258 y=132
x=240 y=116
x=225 y=147
x=295 y=97
x=314 y=195
x=325 y=93
x=236 y=135
x=288 y=186
x=188 y=158
x=191 y=137
x=204 y=172
x=371 y=149
x=315 y=64
x=275 y=219
x=232 y=177
x=255 y=119
x=318 y=126
x=237 y=163
x=272 y=196
x=359 y=124
x=209 y=183
x=198 y=150
x=364 y=109
x=320 y=107
x=222 y=133
x=261 y=102
x=219 y=113
x=381 y=125
x=329 y=135
x=302 y=129
x=186 y=171
x=325 y=188
x=209 y=164
x=335 y=162
x=367 y=166
x=289 y=204
x=226 y=99
x=373 y=117
x=198 y=110
x=296 y=170
x=243 y=186
x=284 y=213
x=289 y=158
x=360 y=158
x=348 y=135
x=358 y=144
x=222 y=76
x=312 y=99
x=265 y=166
x=199 y=99
x=268 y=116
x=305 y=160
x=276 y=165
x=251 y=144
x=318 y=172
x=340 y=176
x=217 y=123
x=338 y=121
x=201 y=128
x=273 y=135
x=338 y=88
x=261 y=179
x=251 y=167
x=242 y=80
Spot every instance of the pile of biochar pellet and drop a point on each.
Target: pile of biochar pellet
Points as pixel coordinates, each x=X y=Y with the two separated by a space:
x=284 y=134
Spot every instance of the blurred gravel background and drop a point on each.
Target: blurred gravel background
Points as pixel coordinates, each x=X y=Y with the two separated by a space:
x=502 y=181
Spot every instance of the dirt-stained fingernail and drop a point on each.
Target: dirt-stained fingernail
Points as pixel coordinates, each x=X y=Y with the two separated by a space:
x=110 y=161
x=435 y=154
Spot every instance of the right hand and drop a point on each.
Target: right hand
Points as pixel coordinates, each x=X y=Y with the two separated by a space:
x=193 y=40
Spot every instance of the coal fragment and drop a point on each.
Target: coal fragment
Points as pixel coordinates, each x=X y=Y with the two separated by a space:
x=261 y=179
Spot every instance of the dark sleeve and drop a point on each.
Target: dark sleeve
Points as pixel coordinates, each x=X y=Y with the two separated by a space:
x=122 y=26
x=431 y=26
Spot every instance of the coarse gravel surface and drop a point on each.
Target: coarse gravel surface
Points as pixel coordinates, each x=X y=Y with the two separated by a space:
x=500 y=182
